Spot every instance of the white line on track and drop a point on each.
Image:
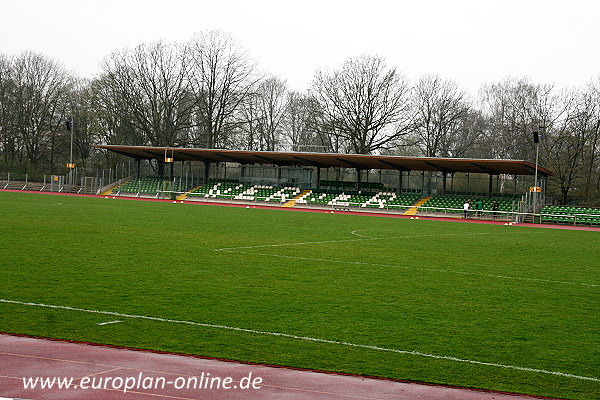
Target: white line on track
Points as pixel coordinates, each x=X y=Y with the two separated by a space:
x=308 y=338
x=364 y=238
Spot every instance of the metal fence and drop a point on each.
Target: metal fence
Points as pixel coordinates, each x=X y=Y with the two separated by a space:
x=77 y=181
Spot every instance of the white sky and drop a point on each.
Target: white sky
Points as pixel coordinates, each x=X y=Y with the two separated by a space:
x=469 y=41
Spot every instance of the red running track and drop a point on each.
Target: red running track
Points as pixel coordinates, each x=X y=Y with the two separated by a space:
x=25 y=357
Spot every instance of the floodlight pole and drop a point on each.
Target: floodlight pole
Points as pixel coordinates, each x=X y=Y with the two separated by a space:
x=537 y=153
x=71 y=156
x=71 y=127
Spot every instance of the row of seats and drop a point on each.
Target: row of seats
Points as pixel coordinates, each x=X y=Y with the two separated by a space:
x=567 y=210
x=570 y=215
x=351 y=185
x=153 y=185
x=455 y=203
x=238 y=191
x=479 y=194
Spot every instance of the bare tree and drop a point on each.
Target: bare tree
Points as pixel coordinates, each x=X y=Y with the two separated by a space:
x=251 y=119
x=86 y=126
x=591 y=156
x=8 y=141
x=114 y=125
x=439 y=109
x=272 y=105
x=221 y=77
x=301 y=129
x=364 y=103
x=151 y=83
x=568 y=146
x=41 y=91
x=515 y=108
x=470 y=138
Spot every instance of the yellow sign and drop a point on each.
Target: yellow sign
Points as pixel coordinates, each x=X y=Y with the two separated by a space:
x=56 y=178
x=535 y=189
x=69 y=165
x=168 y=159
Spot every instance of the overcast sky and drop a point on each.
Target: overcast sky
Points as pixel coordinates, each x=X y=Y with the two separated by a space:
x=469 y=41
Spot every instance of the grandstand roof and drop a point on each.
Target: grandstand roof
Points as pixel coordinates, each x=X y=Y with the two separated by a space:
x=325 y=160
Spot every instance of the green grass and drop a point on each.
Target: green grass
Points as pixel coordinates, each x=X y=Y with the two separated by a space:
x=506 y=295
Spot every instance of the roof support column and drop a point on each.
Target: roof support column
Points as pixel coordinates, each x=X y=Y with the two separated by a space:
x=544 y=184
x=468 y=182
x=318 y=177
x=400 y=174
x=357 y=178
x=490 y=186
x=192 y=174
x=187 y=185
x=444 y=175
x=138 y=168
x=206 y=171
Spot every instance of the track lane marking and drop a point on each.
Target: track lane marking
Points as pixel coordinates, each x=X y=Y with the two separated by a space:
x=116 y=368
x=99 y=373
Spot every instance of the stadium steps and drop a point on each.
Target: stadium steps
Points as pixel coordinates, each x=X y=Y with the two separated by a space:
x=114 y=189
x=108 y=191
x=413 y=210
x=292 y=202
x=185 y=195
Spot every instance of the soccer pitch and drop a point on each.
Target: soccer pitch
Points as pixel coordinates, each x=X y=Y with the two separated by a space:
x=486 y=306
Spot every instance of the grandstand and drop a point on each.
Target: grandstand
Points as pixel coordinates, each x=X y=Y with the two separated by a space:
x=327 y=198
x=350 y=199
x=233 y=190
x=291 y=182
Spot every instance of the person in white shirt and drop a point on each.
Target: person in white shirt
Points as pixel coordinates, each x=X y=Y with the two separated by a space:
x=466 y=207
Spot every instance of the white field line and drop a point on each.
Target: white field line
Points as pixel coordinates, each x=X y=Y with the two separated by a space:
x=108 y=322
x=363 y=238
x=354 y=240
x=307 y=338
x=417 y=268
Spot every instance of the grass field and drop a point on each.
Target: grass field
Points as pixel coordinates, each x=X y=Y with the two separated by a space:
x=485 y=306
